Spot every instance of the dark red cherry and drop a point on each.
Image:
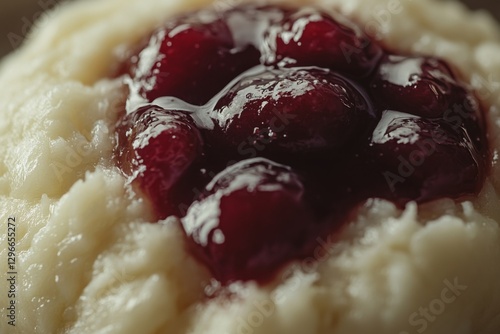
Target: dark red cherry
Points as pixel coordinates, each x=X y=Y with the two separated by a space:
x=423 y=159
x=250 y=221
x=292 y=111
x=157 y=147
x=427 y=87
x=309 y=37
x=423 y=86
x=191 y=58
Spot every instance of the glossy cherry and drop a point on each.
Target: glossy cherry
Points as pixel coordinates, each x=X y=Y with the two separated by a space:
x=157 y=148
x=309 y=37
x=295 y=110
x=191 y=58
x=423 y=159
x=422 y=86
x=267 y=202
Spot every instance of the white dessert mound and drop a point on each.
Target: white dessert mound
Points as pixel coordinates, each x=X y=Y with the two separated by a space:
x=87 y=261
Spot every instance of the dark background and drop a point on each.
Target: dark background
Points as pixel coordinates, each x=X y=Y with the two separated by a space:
x=17 y=16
